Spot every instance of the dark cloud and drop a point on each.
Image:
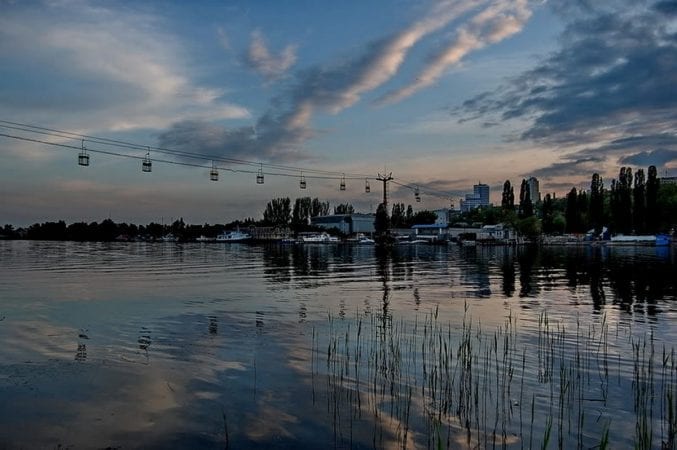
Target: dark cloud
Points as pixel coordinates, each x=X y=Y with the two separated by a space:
x=268 y=141
x=658 y=158
x=610 y=87
x=667 y=7
x=572 y=167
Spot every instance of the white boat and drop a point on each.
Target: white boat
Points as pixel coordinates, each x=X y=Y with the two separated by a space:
x=317 y=238
x=233 y=236
x=364 y=240
x=658 y=240
x=204 y=238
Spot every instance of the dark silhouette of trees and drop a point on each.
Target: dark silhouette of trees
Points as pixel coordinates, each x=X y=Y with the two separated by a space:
x=344 y=208
x=548 y=215
x=318 y=208
x=278 y=212
x=622 y=199
x=398 y=218
x=652 y=209
x=571 y=214
x=639 y=203
x=526 y=207
x=301 y=213
x=596 y=210
x=508 y=197
x=582 y=210
x=424 y=217
x=666 y=203
x=382 y=220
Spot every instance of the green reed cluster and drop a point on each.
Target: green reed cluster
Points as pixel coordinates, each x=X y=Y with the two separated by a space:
x=424 y=383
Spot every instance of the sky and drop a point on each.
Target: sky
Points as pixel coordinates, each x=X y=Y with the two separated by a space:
x=443 y=94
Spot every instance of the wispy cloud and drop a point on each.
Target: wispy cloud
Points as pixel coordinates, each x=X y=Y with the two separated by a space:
x=493 y=24
x=286 y=125
x=268 y=65
x=108 y=69
x=606 y=93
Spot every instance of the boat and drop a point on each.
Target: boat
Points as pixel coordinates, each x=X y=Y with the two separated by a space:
x=317 y=238
x=649 y=240
x=360 y=239
x=204 y=238
x=233 y=236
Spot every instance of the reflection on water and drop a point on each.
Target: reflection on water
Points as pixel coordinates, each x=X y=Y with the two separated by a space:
x=203 y=346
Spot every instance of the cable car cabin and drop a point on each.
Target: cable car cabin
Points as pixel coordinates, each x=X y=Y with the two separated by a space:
x=367 y=188
x=214 y=175
x=342 y=186
x=259 y=177
x=147 y=164
x=83 y=158
x=302 y=183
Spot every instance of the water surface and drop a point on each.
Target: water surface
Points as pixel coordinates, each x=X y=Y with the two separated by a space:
x=238 y=346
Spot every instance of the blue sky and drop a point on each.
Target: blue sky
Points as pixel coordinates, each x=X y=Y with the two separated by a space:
x=441 y=93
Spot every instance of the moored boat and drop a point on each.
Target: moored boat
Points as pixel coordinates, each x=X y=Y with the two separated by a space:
x=233 y=236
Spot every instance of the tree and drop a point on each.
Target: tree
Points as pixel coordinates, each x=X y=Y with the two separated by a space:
x=424 y=217
x=548 y=214
x=652 y=210
x=667 y=205
x=381 y=221
x=529 y=227
x=344 y=208
x=526 y=208
x=397 y=217
x=318 y=208
x=624 y=200
x=582 y=209
x=508 y=197
x=278 y=212
x=301 y=213
x=571 y=214
x=596 y=211
x=639 y=202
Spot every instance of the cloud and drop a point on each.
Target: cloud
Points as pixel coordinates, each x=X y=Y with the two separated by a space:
x=493 y=24
x=337 y=87
x=572 y=167
x=268 y=141
x=269 y=66
x=659 y=158
x=286 y=125
x=99 y=68
x=607 y=91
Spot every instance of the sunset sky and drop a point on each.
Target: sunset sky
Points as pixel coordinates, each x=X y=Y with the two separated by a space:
x=443 y=94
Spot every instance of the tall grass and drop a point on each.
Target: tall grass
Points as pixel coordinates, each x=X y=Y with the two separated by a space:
x=422 y=382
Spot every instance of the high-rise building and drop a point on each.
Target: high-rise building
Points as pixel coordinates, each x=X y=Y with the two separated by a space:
x=479 y=198
x=482 y=191
x=534 y=192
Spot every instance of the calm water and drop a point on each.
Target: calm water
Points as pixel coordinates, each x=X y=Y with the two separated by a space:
x=236 y=346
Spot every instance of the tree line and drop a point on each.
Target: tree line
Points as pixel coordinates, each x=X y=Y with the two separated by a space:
x=633 y=203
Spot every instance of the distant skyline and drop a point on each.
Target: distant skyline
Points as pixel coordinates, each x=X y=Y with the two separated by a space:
x=445 y=94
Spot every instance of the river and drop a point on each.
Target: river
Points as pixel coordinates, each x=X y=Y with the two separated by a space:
x=164 y=345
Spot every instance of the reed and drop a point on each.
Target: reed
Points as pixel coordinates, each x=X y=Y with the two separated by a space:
x=427 y=383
